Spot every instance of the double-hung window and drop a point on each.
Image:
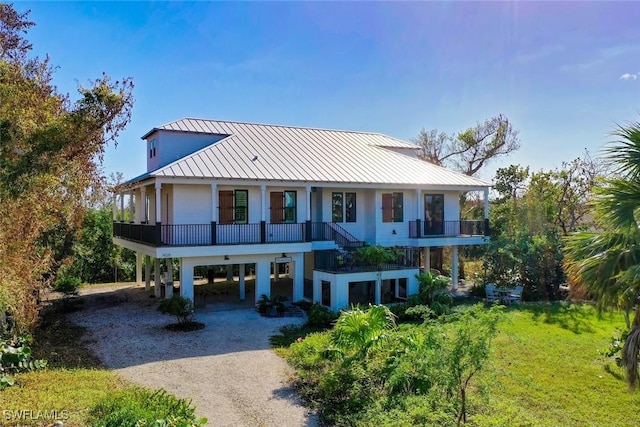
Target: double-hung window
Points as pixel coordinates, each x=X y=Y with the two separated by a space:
x=392 y=207
x=343 y=207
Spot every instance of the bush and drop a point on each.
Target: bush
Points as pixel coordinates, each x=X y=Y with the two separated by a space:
x=68 y=285
x=15 y=356
x=320 y=316
x=136 y=406
x=179 y=307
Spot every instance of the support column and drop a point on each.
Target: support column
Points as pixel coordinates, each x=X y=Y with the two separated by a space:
x=156 y=279
x=263 y=207
x=241 y=283
x=419 y=210
x=158 y=202
x=186 y=279
x=263 y=278
x=131 y=212
x=229 y=272
x=122 y=207
x=143 y=204
x=308 y=202
x=454 y=267
x=276 y=271
x=214 y=202
x=180 y=274
x=147 y=273
x=296 y=272
x=486 y=203
x=378 y=290
x=426 y=253
x=138 y=268
x=115 y=206
x=168 y=289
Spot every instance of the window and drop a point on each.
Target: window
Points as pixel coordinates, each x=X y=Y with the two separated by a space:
x=343 y=207
x=350 y=207
x=434 y=214
x=337 y=204
x=233 y=207
x=290 y=199
x=152 y=148
x=283 y=207
x=392 y=207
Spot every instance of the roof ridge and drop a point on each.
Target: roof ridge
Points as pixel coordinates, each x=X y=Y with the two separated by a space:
x=276 y=125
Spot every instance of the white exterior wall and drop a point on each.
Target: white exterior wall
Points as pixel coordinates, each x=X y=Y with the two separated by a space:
x=451 y=206
x=357 y=229
x=384 y=230
x=192 y=204
x=171 y=146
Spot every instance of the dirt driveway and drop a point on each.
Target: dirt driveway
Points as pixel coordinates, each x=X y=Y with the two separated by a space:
x=227 y=368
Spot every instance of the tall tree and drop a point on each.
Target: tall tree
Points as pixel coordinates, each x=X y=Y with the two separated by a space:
x=469 y=150
x=607 y=262
x=50 y=149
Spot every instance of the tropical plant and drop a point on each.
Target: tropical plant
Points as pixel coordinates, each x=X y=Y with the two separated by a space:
x=607 y=262
x=358 y=330
x=16 y=356
x=270 y=306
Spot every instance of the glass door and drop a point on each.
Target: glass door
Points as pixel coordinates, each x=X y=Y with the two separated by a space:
x=433 y=214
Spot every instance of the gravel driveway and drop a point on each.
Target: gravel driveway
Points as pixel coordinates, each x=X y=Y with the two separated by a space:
x=227 y=368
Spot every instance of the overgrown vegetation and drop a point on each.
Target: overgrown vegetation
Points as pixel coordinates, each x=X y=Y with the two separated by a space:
x=135 y=406
x=368 y=371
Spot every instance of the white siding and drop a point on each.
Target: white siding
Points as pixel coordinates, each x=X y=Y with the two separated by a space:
x=192 y=204
x=385 y=230
x=172 y=146
x=451 y=206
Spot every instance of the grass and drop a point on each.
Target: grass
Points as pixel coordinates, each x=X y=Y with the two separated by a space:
x=547 y=370
x=73 y=382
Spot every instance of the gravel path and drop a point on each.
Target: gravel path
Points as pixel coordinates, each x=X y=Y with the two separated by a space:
x=227 y=368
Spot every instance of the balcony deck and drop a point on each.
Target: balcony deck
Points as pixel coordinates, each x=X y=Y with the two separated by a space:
x=341 y=262
x=426 y=229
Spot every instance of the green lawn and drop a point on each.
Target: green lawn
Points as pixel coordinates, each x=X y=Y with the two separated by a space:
x=546 y=370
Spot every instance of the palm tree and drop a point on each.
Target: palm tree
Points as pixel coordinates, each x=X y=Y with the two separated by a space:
x=356 y=331
x=607 y=263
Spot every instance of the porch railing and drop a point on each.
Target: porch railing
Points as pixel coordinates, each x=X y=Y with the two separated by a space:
x=335 y=261
x=219 y=234
x=425 y=229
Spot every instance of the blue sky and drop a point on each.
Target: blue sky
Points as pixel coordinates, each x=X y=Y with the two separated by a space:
x=564 y=73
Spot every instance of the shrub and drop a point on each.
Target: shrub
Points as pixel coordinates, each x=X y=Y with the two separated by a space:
x=67 y=285
x=269 y=306
x=136 y=406
x=15 y=356
x=419 y=312
x=179 y=307
x=320 y=316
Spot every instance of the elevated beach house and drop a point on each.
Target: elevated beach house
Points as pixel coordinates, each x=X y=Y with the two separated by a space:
x=255 y=196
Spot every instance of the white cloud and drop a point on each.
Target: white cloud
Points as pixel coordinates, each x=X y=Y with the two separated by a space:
x=628 y=76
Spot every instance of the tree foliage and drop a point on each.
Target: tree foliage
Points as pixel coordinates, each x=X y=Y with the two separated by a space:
x=50 y=149
x=469 y=150
x=606 y=262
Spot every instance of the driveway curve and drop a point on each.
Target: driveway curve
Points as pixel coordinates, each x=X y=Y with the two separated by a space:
x=227 y=368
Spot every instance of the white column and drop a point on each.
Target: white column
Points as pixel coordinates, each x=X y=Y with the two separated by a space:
x=263 y=278
x=168 y=289
x=263 y=208
x=143 y=204
x=186 y=279
x=296 y=272
x=308 y=203
x=115 y=206
x=147 y=273
x=180 y=274
x=276 y=271
x=426 y=253
x=138 y=268
x=317 y=289
x=419 y=213
x=378 y=290
x=241 y=284
x=454 y=267
x=156 y=279
x=229 y=272
x=131 y=212
x=121 y=206
x=486 y=203
x=214 y=202
x=159 y=202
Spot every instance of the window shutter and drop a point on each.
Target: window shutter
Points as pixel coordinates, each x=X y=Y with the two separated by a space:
x=225 y=207
x=387 y=207
x=277 y=207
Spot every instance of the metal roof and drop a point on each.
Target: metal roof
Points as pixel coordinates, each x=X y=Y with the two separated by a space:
x=287 y=153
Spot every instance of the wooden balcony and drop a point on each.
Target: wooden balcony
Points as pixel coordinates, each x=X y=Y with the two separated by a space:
x=425 y=229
